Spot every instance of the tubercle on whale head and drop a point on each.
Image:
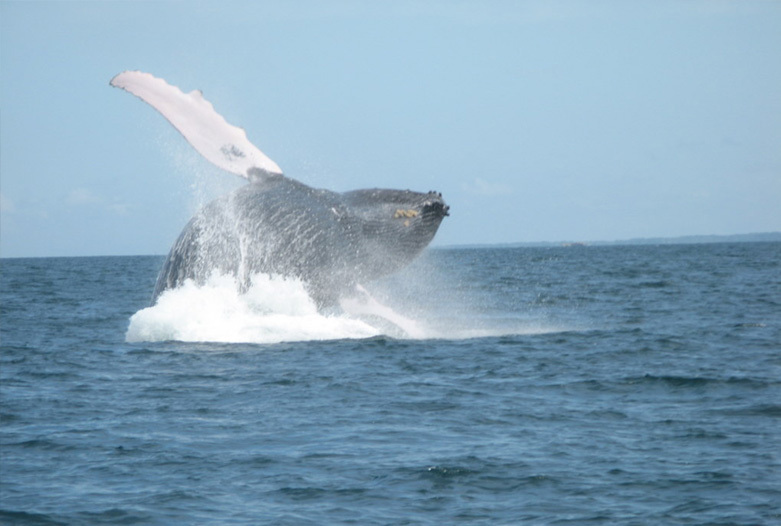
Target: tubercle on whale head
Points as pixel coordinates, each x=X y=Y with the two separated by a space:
x=375 y=200
x=436 y=206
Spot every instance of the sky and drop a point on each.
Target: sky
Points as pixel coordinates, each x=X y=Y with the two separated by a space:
x=537 y=120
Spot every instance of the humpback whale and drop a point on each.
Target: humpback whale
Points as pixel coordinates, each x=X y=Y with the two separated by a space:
x=333 y=242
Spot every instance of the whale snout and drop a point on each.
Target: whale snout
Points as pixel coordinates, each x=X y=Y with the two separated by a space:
x=436 y=209
x=435 y=206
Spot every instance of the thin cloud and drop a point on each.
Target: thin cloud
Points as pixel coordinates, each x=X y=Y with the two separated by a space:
x=482 y=187
x=6 y=205
x=507 y=11
x=120 y=209
x=84 y=197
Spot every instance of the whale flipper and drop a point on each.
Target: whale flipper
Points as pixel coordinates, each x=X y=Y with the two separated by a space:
x=206 y=130
x=360 y=304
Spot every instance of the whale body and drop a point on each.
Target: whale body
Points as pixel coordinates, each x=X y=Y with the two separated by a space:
x=333 y=242
x=279 y=226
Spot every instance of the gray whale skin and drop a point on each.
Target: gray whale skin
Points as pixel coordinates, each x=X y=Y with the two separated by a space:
x=279 y=226
x=333 y=242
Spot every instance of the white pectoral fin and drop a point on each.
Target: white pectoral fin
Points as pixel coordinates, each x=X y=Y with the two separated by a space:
x=361 y=304
x=206 y=130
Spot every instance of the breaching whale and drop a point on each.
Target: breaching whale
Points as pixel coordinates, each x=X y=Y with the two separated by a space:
x=333 y=242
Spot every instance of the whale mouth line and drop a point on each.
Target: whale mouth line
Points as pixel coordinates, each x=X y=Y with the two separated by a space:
x=435 y=208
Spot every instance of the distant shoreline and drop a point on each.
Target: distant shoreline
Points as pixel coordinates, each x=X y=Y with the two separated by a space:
x=764 y=237
x=760 y=237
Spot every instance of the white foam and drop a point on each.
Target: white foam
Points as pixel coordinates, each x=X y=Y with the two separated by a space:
x=276 y=309
x=272 y=310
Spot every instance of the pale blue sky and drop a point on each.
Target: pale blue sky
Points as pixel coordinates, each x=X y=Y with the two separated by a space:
x=538 y=121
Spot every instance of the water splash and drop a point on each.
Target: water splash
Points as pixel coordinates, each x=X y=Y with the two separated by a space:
x=272 y=310
x=276 y=309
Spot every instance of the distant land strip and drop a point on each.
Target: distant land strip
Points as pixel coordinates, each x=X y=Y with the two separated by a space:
x=763 y=237
x=759 y=237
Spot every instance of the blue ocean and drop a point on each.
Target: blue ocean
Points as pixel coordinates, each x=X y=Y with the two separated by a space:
x=631 y=385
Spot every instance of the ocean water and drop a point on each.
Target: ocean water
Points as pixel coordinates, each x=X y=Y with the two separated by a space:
x=580 y=385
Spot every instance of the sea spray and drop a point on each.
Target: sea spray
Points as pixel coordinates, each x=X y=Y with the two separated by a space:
x=418 y=303
x=447 y=301
x=273 y=309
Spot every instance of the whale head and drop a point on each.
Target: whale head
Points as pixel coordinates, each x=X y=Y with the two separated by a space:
x=395 y=225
